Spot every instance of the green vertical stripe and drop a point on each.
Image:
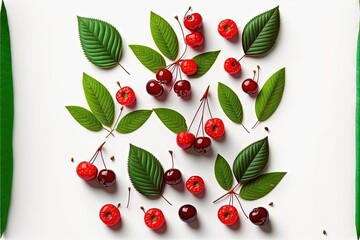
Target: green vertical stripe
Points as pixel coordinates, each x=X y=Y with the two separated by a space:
x=6 y=118
x=357 y=129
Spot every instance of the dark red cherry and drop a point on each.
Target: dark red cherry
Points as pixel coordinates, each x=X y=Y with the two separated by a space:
x=202 y=144
x=249 y=86
x=187 y=213
x=154 y=88
x=182 y=88
x=259 y=216
x=106 y=177
x=172 y=176
x=164 y=76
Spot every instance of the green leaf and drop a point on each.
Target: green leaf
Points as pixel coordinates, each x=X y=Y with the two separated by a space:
x=251 y=161
x=164 y=36
x=173 y=120
x=230 y=103
x=99 y=100
x=6 y=119
x=270 y=95
x=261 y=185
x=261 y=32
x=86 y=118
x=150 y=58
x=145 y=172
x=204 y=62
x=133 y=120
x=223 y=173
x=100 y=41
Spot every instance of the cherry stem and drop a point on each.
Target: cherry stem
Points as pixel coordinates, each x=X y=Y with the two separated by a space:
x=207 y=103
x=192 y=121
x=109 y=131
x=254 y=71
x=172 y=158
x=116 y=122
x=166 y=200
x=241 y=57
x=119 y=204
x=182 y=32
x=205 y=94
x=242 y=209
x=118 y=83
x=229 y=192
x=255 y=124
x=142 y=208
x=201 y=122
x=257 y=80
x=245 y=128
x=187 y=12
x=128 y=200
x=124 y=69
x=92 y=159
x=102 y=158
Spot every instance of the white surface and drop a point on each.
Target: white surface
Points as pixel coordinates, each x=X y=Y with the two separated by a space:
x=312 y=132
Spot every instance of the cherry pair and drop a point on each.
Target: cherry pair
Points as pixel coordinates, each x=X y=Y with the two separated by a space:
x=193 y=22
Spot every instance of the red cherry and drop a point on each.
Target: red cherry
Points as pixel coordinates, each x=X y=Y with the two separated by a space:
x=154 y=88
x=227 y=28
x=110 y=215
x=193 y=21
x=202 y=144
x=214 y=127
x=259 y=216
x=126 y=96
x=194 y=39
x=182 y=88
x=106 y=177
x=154 y=218
x=187 y=213
x=228 y=214
x=185 y=140
x=249 y=86
x=188 y=66
x=164 y=76
x=232 y=66
x=172 y=176
x=86 y=171
x=195 y=185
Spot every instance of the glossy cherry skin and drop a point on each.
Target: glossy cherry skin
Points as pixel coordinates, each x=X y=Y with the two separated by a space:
x=164 y=76
x=187 y=213
x=202 y=144
x=195 y=185
x=232 y=66
x=249 y=86
x=188 y=66
x=126 y=96
x=182 y=88
x=194 y=39
x=228 y=214
x=214 y=127
x=193 y=21
x=172 y=176
x=154 y=88
x=87 y=171
x=185 y=139
x=110 y=215
x=259 y=216
x=227 y=28
x=106 y=177
x=154 y=218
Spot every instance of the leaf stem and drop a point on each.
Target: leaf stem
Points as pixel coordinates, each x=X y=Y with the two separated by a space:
x=116 y=122
x=245 y=128
x=255 y=124
x=123 y=68
x=241 y=58
x=166 y=200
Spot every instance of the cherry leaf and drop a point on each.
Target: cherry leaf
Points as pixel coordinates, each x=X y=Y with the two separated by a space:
x=133 y=121
x=85 y=118
x=230 y=103
x=223 y=173
x=204 y=62
x=150 y=58
x=173 y=120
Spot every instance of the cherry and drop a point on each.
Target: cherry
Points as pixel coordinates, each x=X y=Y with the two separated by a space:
x=259 y=216
x=106 y=177
x=110 y=215
x=154 y=218
x=214 y=127
x=249 y=86
x=227 y=28
x=228 y=214
x=188 y=66
x=195 y=185
x=164 y=76
x=185 y=140
x=202 y=144
x=182 y=88
x=187 y=213
x=154 y=88
x=86 y=171
x=232 y=66
x=192 y=21
x=194 y=39
x=125 y=96
x=173 y=175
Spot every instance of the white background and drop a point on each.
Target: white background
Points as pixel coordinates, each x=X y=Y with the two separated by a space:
x=312 y=132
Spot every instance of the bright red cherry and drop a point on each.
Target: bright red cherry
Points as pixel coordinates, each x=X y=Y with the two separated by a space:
x=259 y=216
x=194 y=39
x=249 y=86
x=164 y=76
x=187 y=213
x=215 y=128
x=202 y=144
x=154 y=218
x=232 y=66
x=227 y=28
x=188 y=66
x=86 y=171
x=193 y=21
x=185 y=139
x=154 y=88
x=110 y=215
x=106 y=177
x=195 y=185
x=228 y=214
x=125 y=96
x=182 y=88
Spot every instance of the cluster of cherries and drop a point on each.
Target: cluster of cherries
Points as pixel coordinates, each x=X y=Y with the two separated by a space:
x=214 y=127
